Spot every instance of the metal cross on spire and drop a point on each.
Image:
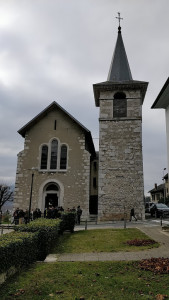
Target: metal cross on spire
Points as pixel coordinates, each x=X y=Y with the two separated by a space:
x=119 y=18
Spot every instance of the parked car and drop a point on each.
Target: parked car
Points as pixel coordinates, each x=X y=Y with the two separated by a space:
x=148 y=205
x=159 y=209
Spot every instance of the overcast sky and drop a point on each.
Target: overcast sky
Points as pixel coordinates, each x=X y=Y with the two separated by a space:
x=55 y=50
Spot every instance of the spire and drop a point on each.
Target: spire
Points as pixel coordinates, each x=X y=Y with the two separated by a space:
x=119 y=68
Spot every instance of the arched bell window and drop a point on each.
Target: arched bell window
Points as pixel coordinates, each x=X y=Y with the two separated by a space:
x=63 y=157
x=119 y=105
x=44 y=157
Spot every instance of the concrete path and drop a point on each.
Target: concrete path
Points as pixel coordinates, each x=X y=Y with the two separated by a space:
x=154 y=232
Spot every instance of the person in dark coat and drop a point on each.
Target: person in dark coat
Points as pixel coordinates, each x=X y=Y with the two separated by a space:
x=16 y=216
x=26 y=216
x=132 y=214
x=79 y=213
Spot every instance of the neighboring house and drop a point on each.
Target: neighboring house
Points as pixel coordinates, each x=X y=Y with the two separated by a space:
x=162 y=101
x=160 y=191
x=59 y=151
x=157 y=193
x=59 y=160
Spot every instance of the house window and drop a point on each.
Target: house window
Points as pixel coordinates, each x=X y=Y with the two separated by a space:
x=63 y=157
x=55 y=125
x=54 y=155
x=158 y=197
x=119 y=105
x=94 y=182
x=44 y=157
x=95 y=165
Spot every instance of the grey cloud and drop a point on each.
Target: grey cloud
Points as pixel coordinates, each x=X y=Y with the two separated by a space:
x=56 y=50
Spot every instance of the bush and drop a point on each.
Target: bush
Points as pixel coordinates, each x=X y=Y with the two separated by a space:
x=17 y=249
x=33 y=241
x=47 y=230
x=67 y=222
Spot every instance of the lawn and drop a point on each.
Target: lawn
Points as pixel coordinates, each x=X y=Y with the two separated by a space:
x=88 y=280
x=100 y=240
x=80 y=280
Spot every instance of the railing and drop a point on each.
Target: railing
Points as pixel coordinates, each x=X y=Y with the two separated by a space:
x=6 y=226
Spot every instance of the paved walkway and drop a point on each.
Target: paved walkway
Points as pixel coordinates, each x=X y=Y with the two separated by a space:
x=155 y=232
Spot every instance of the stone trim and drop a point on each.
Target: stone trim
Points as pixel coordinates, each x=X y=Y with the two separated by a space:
x=41 y=202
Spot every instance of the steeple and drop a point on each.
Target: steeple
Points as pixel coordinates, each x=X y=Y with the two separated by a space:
x=119 y=68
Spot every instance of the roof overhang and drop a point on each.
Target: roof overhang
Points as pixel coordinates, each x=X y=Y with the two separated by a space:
x=162 y=100
x=119 y=85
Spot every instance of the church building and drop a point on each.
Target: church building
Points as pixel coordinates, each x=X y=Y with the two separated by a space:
x=59 y=164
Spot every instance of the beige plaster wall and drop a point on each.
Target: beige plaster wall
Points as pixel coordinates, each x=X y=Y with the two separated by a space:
x=73 y=183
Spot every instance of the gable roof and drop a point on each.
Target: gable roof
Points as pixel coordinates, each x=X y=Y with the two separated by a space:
x=159 y=188
x=119 y=68
x=22 y=131
x=162 y=100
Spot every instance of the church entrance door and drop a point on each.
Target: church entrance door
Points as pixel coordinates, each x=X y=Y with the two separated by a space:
x=51 y=193
x=51 y=199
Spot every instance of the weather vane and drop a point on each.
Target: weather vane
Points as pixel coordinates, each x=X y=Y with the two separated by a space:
x=119 y=18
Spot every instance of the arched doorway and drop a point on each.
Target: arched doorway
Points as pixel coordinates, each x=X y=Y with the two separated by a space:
x=51 y=195
x=49 y=187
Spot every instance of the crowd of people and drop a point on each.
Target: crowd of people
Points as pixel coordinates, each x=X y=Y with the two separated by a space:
x=23 y=216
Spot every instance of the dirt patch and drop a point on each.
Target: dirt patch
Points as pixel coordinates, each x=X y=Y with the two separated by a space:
x=155 y=265
x=142 y=242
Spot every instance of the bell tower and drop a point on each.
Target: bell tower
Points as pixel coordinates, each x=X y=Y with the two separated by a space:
x=120 y=99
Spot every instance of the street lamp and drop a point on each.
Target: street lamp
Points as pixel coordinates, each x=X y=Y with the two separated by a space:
x=30 y=200
x=164 y=183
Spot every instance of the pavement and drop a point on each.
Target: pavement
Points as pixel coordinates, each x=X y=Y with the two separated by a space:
x=152 y=229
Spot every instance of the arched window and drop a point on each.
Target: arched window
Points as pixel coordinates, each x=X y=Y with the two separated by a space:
x=44 y=157
x=52 y=187
x=119 y=105
x=54 y=155
x=63 y=157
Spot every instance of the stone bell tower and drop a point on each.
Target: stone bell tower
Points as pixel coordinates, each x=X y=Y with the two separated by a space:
x=120 y=99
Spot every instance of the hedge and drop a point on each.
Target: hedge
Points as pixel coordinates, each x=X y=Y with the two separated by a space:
x=17 y=249
x=67 y=222
x=33 y=241
x=47 y=230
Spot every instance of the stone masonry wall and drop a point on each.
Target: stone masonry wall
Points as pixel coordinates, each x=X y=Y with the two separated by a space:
x=120 y=159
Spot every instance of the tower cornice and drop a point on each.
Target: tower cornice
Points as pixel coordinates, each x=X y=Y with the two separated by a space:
x=120 y=86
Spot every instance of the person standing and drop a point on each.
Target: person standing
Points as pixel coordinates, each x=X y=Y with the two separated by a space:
x=26 y=216
x=79 y=213
x=132 y=214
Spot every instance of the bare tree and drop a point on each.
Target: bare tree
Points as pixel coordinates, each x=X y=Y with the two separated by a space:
x=6 y=194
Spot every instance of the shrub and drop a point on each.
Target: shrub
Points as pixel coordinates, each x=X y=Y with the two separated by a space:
x=47 y=230
x=67 y=222
x=6 y=218
x=17 y=249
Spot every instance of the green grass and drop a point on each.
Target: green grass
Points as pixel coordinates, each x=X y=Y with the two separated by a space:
x=80 y=280
x=84 y=280
x=100 y=240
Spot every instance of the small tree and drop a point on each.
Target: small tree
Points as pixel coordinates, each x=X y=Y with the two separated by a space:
x=6 y=194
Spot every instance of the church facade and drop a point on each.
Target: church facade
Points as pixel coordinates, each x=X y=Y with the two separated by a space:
x=55 y=165
x=59 y=164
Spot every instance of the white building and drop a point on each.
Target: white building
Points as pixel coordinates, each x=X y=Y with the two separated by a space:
x=162 y=101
